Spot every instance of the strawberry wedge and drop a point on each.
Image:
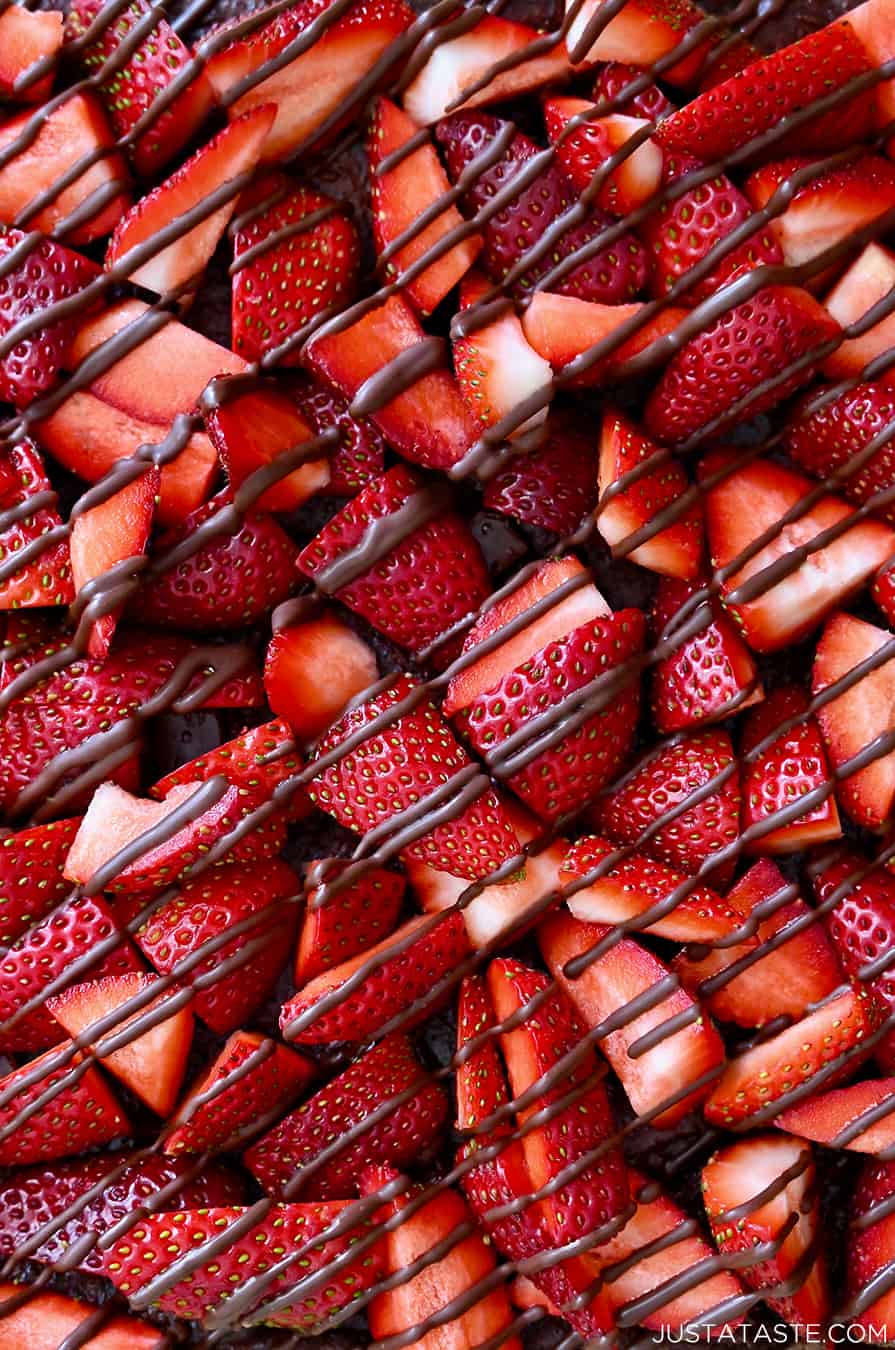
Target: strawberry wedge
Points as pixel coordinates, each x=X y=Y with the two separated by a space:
x=860 y=1117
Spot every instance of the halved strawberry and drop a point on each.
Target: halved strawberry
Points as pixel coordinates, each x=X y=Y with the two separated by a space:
x=236 y=976
x=871 y=1250
x=613 y=275
x=44 y=577
x=553 y=487
x=284 y=1160
x=45 y=1320
x=567 y=331
x=360 y=456
x=481 y=66
x=60 y=946
x=872 y=25
x=854 y=720
x=151 y=1064
x=350 y=921
x=392 y=770
x=259 y=428
x=819 y=1050
x=256 y=762
x=313 y=669
x=760 y=1191
x=860 y=1117
x=250 y=1079
x=28 y=39
x=622 y=514
x=867 y=283
x=31 y=877
x=407 y=968
x=828 y=439
x=404 y=188
x=744 y=357
x=673 y=1073
x=641 y=30
x=585 y=149
x=295 y=255
x=789 y=976
x=614 y=78
x=142 y=79
x=792 y=766
x=883 y=590
x=423 y=415
x=663 y=780
x=80 y=1112
x=757 y=499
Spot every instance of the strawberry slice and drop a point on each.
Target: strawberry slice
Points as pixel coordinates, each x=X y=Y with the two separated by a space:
x=871 y=1250
x=553 y=487
x=482 y=66
x=867 y=282
x=160 y=1243
x=634 y=886
x=238 y=577
x=412 y=1128
x=251 y=430
x=552 y=658
x=408 y=967
x=663 y=780
x=45 y=579
x=43 y=956
x=789 y=977
x=152 y=1065
x=109 y=534
x=159 y=60
x=613 y=275
x=26 y=38
x=883 y=590
x=562 y=329
x=743 y=356
x=858 y=1117
x=652 y=31
x=360 y=456
x=763 y=1190
x=82 y=1113
x=218 y=1115
x=45 y=1320
x=853 y=721
x=872 y=24
x=256 y=762
x=404 y=188
x=793 y=765
x=71 y=131
x=817 y=1051
x=675 y=551
x=313 y=669
x=295 y=255
x=31 y=877
x=708 y=676
x=206 y=909
x=756 y=499
x=425 y=419
x=825 y=440
x=614 y=78
x=595 y=140
x=655 y=1077
x=393 y=770
x=353 y=920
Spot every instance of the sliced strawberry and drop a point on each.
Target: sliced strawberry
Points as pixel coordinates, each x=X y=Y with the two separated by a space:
x=883 y=590
x=760 y=1191
x=553 y=487
x=352 y=920
x=872 y=25
x=46 y=1320
x=824 y=441
x=142 y=79
x=867 y=282
x=496 y=367
x=613 y=275
x=316 y=90
x=407 y=968
x=251 y=431
x=31 y=878
x=563 y=329
x=858 y=1117
x=60 y=945
x=109 y=534
x=612 y=83
x=251 y=1079
x=794 y=764
x=425 y=419
x=46 y=577
x=729 y=57
x=255 y=762
x=360 y=456
x=663 y=780
x=636 y=885
x=813 y=1053
x=756 y=499
x=295 y=255
x=415 y=591
x=206 y=909
x=594 y=141
x=313 y=669
x=643 y=28
x=871 y=1250
x=236 y=578
x=159 y=1243
x=744 y=356
x=71 y=130
x=789 y=977
x=405 y=186
x=655 y=1077
x=152 y=1064
x=674 y=551
x=82 y=1113
x=399 y=1137
x=482 y=66
x=27 y=38
x=852 y=721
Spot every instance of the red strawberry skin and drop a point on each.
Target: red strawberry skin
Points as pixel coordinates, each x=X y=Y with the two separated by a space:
x=351 y=921
x=47 y=580
x=871 y=1248
x=31 y=880
x=361 y=454
x=399 y=1138
x=83 y=1114
x=553 y=487
x=614 y=78
x=255 y=762
x=825 y=441
x=615 y=275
